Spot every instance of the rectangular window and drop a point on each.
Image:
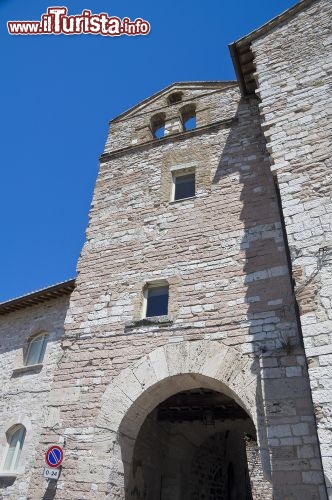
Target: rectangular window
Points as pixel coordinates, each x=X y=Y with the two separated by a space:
x=184 y=186
x=156 y=301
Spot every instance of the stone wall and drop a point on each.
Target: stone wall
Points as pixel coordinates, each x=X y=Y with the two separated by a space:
x=24 y=391
x=261 y=489
x=134 y=127
x=293 y=71
x=223 y=256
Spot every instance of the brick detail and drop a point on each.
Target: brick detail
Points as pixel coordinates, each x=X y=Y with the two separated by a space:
x=261 y=488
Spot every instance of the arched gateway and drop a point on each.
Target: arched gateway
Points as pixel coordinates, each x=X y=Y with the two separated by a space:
x=204 y=375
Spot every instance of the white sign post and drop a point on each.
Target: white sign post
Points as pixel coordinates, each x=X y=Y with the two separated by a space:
x=51 y=473
x=53 y=458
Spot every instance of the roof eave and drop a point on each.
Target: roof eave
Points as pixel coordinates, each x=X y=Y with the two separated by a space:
x=212 y=83
x=34 y=298
x=237 y=67
x=244 y=43
x=275 y=21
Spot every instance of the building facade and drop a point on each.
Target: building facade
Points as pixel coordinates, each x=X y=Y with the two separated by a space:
x=192 y=358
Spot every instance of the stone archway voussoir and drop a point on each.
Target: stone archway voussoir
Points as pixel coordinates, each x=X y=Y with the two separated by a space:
x=159 y=363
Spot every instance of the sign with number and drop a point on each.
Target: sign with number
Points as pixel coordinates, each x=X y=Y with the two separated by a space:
x=51 y=473
x=54 y=456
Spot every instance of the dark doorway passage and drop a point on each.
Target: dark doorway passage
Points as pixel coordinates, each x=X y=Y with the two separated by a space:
x=191 y=447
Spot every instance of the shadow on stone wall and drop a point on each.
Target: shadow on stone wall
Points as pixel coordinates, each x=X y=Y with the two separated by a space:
x=283 y=395
x=50 y=491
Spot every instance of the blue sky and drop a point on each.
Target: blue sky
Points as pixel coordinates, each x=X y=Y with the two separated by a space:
x=58 y=94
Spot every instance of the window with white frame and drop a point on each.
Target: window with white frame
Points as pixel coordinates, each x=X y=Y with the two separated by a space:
x=156 y=300
x=15 y=439
x=184 y=185
x=35 y=350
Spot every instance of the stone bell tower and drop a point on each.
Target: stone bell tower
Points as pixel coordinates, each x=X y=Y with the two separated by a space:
x=181 y=340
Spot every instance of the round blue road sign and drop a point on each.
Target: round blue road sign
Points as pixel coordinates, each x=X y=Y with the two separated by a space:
x=54 y=456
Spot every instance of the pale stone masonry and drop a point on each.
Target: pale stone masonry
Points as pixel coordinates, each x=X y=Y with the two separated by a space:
x=295 y=108
x=260 y=487
x=170 y=407
x=223 y=256
x=298 y=128
x=24 y=390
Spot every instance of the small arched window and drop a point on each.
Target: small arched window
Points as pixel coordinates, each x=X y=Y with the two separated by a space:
x=188 y=116
x=15 y=439
x=158 y=125
x=35 y=350
x=175 y=98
